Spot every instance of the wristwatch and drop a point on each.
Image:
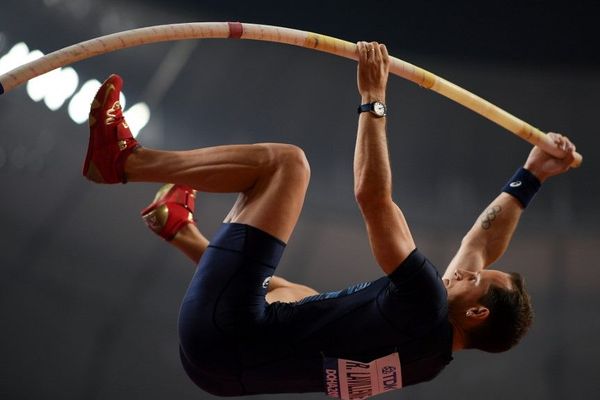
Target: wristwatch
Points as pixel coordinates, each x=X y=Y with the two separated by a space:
x=377 y=108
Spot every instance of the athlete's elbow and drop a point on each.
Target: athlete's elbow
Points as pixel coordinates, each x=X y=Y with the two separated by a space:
x=368 y=195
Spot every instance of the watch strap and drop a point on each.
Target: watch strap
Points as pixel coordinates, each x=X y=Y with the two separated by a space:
x=365 y=107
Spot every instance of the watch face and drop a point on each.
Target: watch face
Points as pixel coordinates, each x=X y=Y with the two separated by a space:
x=379 y=108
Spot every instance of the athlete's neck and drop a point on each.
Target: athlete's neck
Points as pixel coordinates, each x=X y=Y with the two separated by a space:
x=458 y=337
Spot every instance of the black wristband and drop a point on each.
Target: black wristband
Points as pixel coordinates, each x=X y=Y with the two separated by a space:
x=523 y=186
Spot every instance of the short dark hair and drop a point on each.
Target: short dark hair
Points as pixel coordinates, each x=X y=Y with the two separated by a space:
x=509 y=319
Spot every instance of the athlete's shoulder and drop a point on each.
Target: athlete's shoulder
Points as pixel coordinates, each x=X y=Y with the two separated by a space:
x=416 y=292
x=415 y=266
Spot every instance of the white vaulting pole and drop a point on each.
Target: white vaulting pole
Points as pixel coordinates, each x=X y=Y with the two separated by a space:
x=238 y=30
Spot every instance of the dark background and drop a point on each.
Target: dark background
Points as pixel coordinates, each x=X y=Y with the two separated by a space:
x=89 y=298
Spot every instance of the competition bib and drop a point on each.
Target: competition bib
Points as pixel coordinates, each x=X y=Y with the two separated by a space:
x=353 y=380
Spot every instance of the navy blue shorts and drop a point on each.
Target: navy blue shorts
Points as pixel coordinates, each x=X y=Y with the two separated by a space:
x=224 y=308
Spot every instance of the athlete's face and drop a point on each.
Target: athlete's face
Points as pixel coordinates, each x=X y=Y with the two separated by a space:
x=468 y=287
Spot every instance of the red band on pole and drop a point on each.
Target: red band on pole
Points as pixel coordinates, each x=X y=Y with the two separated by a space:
x=235 y=30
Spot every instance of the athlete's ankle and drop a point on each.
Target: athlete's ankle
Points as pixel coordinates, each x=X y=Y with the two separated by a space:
x=191 y=242
x=133 y=163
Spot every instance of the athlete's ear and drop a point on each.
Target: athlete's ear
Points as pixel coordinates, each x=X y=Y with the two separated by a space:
x=477 y=313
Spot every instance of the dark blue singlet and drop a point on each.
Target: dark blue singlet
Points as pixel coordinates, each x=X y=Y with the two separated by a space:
x=232 y=342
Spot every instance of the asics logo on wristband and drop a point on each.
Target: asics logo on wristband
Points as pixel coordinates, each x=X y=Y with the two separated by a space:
x=515 y=184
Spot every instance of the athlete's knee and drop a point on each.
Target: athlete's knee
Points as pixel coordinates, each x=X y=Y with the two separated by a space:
x=291 y=159
x=294 y=160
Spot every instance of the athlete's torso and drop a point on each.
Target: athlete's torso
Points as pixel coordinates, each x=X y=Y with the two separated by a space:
x=405 y=313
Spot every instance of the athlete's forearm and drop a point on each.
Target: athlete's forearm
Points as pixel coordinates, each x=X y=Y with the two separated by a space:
x=494 y=229
x=372 y=172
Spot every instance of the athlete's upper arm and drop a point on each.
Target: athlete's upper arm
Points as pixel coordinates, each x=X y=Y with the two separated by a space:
x=469 y=257
x=389 y=235
x=488 y=238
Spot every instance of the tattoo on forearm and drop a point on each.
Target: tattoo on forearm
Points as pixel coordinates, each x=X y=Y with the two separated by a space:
x=489 y=216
